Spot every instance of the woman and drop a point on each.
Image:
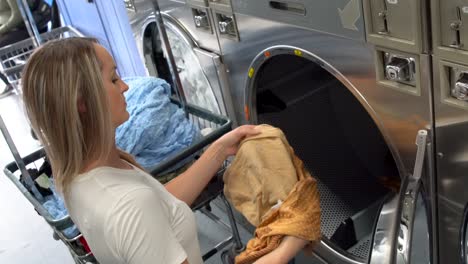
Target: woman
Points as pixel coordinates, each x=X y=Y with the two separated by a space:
x=74 y=99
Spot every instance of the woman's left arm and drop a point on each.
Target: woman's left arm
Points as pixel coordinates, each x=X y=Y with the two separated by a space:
x=188 y=185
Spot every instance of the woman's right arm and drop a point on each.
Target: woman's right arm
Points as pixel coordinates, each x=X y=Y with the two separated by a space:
x=188 y=185
x=286 y=251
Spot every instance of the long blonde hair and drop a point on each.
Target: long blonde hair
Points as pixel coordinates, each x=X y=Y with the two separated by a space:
x=57 y=76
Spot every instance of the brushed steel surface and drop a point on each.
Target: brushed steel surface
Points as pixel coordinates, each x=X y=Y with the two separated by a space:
x=412 y=205
x=344 y=53
x=176 y=82
x=398 y=115
x=383 y=247
x=337 y=17
x=327 y=252
x=216 y=73
x=144 y=15
x=463 y=238
x=206 y=40
x=178 y=18
x=451 y=124
x=420 y=245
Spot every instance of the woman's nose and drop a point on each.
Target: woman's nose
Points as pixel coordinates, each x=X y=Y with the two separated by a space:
x=124 y=87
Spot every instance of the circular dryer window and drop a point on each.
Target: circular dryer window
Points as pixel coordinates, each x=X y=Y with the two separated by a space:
x=334 y=135
x=195 y=84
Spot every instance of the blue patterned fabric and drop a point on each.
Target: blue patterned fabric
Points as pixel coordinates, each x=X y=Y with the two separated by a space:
x=156 y=128
x=56 y=208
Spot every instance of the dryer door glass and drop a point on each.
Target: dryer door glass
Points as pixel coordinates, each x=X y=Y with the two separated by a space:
x=195 y=84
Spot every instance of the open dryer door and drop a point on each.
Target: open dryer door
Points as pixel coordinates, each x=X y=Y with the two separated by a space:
x=369 y=208
x=201 y=72
x=402 y=232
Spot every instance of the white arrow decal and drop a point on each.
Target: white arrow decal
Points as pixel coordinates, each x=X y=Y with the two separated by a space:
x=350 y=15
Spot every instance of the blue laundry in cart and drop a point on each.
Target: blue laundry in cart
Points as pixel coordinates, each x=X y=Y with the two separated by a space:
x=56 y=208
x=156 y=128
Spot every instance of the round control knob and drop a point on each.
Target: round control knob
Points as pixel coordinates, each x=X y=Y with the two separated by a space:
x=460 y=91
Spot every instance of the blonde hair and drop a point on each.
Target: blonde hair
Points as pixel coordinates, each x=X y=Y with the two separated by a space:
x=57 y=76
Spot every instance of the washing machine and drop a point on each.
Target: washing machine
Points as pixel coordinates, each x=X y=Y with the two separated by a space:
x=195 y=48
x=350 y=84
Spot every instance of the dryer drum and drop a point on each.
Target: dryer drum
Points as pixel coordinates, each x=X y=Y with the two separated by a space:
x=335 y=137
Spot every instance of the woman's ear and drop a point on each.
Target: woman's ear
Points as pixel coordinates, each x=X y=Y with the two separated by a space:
x=81 y=106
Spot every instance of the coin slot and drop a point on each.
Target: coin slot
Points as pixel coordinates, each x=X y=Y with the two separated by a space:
x=295 y=8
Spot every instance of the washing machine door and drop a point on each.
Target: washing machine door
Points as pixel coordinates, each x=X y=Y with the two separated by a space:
x=194 y=75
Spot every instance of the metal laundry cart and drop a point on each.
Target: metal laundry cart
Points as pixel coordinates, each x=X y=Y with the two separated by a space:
x=76 y=244
x=14 y=57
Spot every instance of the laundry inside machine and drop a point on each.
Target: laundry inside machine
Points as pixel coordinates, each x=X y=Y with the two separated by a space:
x=337 y=139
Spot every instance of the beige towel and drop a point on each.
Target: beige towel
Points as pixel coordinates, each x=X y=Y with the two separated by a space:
x=264 y=171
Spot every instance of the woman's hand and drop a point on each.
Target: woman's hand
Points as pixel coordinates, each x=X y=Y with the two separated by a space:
x=229 y=143
x=286 y=251
x=188 y=186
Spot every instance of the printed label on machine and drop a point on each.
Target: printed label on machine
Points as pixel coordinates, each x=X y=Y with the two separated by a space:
x=465 y=9
x=394 y=2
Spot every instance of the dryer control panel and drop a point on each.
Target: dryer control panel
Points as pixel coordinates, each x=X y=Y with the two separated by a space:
x=215 y=15
x=397 y=24
x=450 y=29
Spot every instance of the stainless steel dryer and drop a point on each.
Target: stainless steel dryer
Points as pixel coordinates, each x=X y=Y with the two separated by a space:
x=450 y=64
x=351 y=103
x=195 y=49
x=349 y=82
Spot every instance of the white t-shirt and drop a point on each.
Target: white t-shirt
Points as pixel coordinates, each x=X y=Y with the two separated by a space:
x=127 y=216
